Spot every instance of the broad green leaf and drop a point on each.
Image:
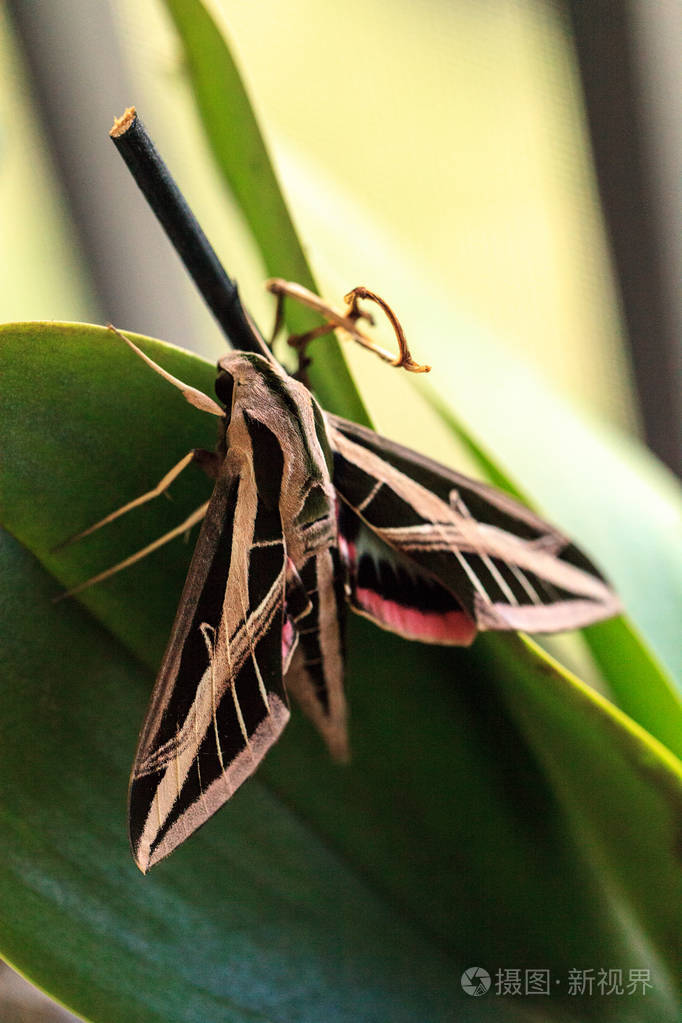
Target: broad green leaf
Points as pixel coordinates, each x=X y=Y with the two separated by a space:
x=259 y=921
x=605 y=768
x=441 y=844
x=242 y=157
x=239 y=929
x=640 y=685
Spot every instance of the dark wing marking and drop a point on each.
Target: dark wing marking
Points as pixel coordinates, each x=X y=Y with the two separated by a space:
x=315 y=676
x=390 y=589
x=506 y=567
x=219 y=701
x=297 y=604
x=486 y=504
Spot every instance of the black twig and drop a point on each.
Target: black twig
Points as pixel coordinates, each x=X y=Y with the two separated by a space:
x=166 y=200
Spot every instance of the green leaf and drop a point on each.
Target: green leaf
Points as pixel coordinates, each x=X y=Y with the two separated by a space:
x=242 y=158
x=259 y=921
x=620 y=787
x=320 y=892
x=637 y=682
x=283 y=928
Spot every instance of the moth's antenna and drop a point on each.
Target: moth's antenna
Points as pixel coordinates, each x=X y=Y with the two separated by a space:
x=154 y=179
x=189 y=393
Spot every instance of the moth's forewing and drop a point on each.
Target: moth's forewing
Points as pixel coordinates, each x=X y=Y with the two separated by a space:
x=504 y=567
x=290 y=420
x=261 y=574
x=218 y=703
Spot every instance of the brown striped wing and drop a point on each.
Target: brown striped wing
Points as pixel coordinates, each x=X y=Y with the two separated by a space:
x=415 y=521
x=219 y=701
x=315 y=675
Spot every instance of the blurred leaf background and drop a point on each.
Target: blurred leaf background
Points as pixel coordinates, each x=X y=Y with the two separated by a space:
x=451 y=136
x=438 y=153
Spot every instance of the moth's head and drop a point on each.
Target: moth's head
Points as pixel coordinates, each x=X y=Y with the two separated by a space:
x=224 y=388
x=233 y=369
x=244 y=374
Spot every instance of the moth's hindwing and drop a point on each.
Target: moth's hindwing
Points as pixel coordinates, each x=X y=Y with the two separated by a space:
x=435 y=556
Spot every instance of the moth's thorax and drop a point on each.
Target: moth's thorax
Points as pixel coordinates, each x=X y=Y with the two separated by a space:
x=278 y=430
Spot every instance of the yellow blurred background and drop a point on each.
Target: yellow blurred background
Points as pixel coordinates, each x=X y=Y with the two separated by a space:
x=425 y=147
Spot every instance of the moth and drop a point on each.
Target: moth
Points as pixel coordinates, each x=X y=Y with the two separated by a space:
x=312 y=514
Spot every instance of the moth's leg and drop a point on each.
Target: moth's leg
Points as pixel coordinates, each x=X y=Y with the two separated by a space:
x=347 y=321
x=279 y=317
x=404 y=359
x=300 y=342
x=190 y=394
x=285 y=289
x=209 y=461
x=190 y=521
x=288 y=289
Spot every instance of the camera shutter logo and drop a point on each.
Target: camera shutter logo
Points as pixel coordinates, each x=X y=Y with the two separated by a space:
x=475 y=981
